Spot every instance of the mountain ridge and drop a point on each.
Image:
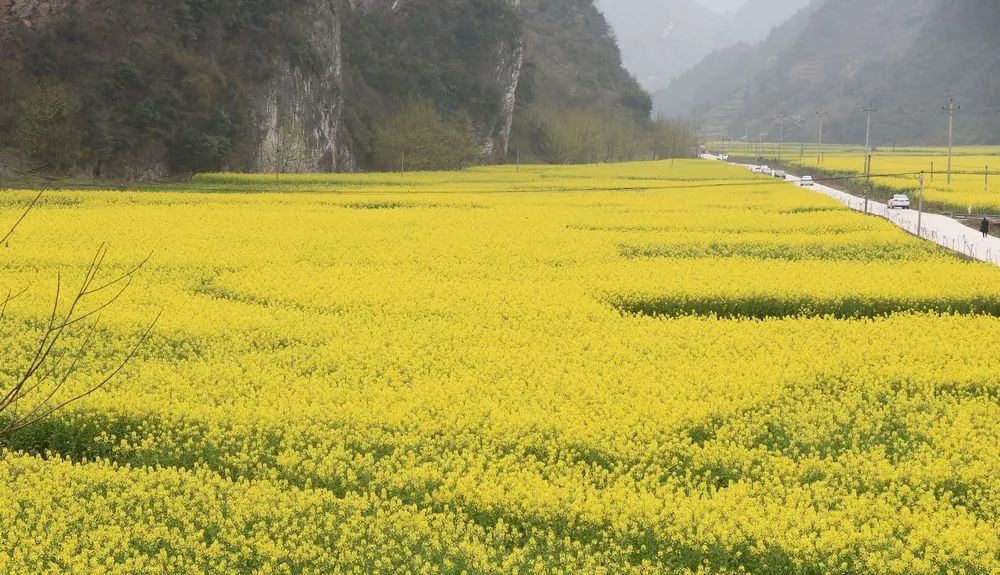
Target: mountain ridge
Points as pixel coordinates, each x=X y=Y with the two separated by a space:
x=906 y=59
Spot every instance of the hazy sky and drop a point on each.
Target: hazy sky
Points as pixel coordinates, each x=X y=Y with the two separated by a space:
x=722 y=5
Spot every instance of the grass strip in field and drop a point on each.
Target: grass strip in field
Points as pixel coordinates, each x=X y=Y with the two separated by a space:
x=886 y=251
x=777 y=306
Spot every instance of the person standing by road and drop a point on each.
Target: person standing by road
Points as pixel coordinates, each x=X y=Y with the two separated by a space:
x=985 y=227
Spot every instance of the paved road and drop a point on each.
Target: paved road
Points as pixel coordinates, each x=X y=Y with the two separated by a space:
x=942 y=230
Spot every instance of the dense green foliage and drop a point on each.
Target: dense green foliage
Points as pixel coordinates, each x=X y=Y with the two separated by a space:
x=417 y=137
x=440 y=52
x=169 y=80
x=593 y=111
x=555 y=135
x=574 y=31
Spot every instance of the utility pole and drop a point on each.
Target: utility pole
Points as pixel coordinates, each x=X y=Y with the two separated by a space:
x=951 y=108
x=756 y=141
x=760 y=138
x=781 y=134
x=746 y=141
x=819 y=153
x=920 y=207
x=868 y=109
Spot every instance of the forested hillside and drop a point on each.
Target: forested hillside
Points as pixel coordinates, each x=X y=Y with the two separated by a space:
x=592 y=110
x=148 y=88
x=905 y=57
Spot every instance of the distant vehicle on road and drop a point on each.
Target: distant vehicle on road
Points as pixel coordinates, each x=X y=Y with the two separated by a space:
x=765 y=170
x=755 y=169
x=779 y=174
x=807 y=181
x=899 y=201
x=724 y=157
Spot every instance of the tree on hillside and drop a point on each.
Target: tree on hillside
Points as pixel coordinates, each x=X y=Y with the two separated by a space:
x=672 y=139
x=45 y=125
x=421 y=138
x=287 y=151
x=566 y=136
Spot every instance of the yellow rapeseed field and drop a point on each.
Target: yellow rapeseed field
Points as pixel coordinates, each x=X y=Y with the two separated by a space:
x=975 y=185
x=654 y=368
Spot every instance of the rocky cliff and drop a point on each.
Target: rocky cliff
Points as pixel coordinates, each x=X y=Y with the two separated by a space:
x=299 y=113
x=300 y=116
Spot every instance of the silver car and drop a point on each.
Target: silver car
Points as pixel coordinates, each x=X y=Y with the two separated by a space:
x=899 y=201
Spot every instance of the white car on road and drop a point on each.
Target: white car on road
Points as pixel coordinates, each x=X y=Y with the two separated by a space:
x=766 y=170
x=807 y=181
x=900 y=201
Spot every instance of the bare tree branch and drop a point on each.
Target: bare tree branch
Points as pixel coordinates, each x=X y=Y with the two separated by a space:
x=30 y=207
x=25 y=422
x=47 y=375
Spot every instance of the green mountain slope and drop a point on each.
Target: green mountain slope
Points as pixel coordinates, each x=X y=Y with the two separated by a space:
x=145 y=88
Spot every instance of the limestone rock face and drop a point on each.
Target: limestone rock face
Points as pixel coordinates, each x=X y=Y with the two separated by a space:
x=300 y=115
x=27 y=13
x=509 y=62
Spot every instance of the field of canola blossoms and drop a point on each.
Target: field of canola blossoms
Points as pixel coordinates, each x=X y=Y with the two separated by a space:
x=628 y=369
x=975 y=186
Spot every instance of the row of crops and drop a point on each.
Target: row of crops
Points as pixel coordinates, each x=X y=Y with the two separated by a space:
x=653 y=368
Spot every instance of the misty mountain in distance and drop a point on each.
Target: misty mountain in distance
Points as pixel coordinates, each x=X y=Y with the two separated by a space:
x=661 y=39
x=904 y=56
x=723 y=6
x=755 y=19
